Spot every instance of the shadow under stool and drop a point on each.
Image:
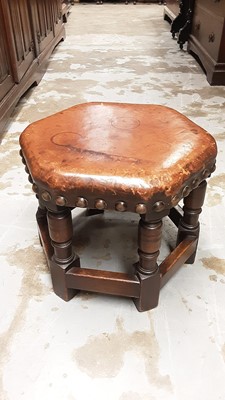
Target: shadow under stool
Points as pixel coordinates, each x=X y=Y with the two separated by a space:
x=123 y=157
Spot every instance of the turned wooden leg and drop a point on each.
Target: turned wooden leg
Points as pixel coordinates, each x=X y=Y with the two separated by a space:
x=147 y=271
x=41 y=213
x=61 y=232
x=41 y=217
x=189 y=224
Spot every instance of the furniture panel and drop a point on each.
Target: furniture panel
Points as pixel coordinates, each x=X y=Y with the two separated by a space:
x=57 y=15
x=42 y=24
x=6 y=80
x=216 y=6
x=19 y=36
x=208 y=30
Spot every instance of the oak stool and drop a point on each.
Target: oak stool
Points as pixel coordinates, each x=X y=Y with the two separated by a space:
x=123 y=157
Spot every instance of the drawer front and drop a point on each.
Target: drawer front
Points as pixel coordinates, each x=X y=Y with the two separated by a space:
x=208 y=29
x=215 y=6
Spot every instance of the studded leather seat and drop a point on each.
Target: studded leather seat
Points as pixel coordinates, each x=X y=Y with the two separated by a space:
x=123 y=157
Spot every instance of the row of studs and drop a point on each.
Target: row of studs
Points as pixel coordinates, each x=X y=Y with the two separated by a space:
x=193 y=185
x=100 y=204
x=140 y=208
x=81 y=202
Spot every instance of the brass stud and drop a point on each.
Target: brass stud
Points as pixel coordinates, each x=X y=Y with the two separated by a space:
x=213 y=168
x=186 y=191
x=35 y=188
x=81 y=202
x=159 y=206
x=30 y=179
x=175 y=200
x=27 y=170
x=22 y=156
x=46 y=196
x=141 y=208
x=205 y=173
x=195 y=183
x=60 y=201
x=120 y=206
x=100 y=204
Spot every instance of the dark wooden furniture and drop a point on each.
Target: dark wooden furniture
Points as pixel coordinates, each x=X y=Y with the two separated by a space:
x=29 y=32
x=201 y=23
x=171 y=10
x=180 y=21
x=66 y=5
x=123 y=157
x=207 y=39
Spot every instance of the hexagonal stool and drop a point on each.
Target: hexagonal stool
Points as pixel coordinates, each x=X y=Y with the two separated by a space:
x=123 y=157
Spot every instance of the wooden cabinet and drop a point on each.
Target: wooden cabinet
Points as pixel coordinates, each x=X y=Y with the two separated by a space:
x=29 y=31
x=207 y=39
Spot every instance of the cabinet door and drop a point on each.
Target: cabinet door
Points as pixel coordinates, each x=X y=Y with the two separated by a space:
x=57 y=15
x=6 y=80
x=43 y=26
x=19 y=36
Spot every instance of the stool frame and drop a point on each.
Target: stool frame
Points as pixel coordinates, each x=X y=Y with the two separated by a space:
x=143 y=285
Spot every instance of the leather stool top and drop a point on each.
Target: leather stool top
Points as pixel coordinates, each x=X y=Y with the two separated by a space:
x=118 y=151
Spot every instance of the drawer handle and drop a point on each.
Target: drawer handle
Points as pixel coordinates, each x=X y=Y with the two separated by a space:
x=197 y=26
x=211 y=37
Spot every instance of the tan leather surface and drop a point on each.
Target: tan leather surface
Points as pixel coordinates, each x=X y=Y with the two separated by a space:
x=140 y=149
